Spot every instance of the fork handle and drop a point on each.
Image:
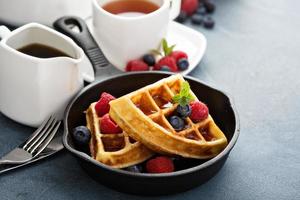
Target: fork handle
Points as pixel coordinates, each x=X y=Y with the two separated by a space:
x=8 y=162
x=12 y=162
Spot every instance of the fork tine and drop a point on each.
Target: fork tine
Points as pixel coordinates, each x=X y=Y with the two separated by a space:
x=42 y=134
x=37 y=132
x=39 y=141
x=45 y=143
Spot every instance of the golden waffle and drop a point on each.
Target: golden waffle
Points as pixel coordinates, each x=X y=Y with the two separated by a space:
x=115 y=150
x=143 y=114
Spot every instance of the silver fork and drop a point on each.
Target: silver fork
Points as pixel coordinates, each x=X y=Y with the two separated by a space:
x=34 y=145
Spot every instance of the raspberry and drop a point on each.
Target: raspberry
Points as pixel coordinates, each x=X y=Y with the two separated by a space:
x=160 y=164
x=178 y=55
x=166 y=61
x=136 y=65
x=102 y=106
x=199 y=111
x=189 y=6
x=108 y=126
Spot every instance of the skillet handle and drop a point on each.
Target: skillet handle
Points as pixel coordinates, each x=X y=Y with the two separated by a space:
x=83 y=38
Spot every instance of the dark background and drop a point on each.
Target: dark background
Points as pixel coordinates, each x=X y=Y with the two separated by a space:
x=253 y=54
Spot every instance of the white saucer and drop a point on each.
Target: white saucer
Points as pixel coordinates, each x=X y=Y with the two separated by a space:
x=186 y=39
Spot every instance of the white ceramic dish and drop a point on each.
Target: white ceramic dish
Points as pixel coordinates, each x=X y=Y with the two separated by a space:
x=32 y=88
x=19 y=12
x=125 y=38
x=186 y=39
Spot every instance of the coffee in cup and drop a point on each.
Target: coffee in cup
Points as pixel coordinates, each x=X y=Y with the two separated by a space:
x=130 y=8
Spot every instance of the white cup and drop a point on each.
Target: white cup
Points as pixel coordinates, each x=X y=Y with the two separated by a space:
x=124 y=38
x=33 y=88
x=19 y=12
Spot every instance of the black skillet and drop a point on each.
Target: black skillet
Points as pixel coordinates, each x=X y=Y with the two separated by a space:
x=189 y=172
x=193 y=173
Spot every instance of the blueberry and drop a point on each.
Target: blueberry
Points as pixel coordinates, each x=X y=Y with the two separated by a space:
x=183 y=111
x=210 y=6
x=165 y=68
x=182 y=17
x=177 y=123
x=135 y=168
x=149 y=59
x=201 y=10
x=183 y=64
x=208 y=22
x=197 y=19
x=81 y=135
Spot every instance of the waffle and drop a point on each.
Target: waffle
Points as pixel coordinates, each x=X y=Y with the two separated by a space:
x=115 y=150
x=144 y=112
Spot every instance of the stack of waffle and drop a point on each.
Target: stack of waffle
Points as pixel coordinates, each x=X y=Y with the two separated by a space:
x=143 y=115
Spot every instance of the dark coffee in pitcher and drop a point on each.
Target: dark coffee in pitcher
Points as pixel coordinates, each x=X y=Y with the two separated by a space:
x=42 y=51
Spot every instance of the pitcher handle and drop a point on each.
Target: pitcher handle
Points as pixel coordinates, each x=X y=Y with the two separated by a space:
x=4 y=31
x=175 y=6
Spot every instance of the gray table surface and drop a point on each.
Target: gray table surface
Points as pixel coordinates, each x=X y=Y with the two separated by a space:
x=253 y=54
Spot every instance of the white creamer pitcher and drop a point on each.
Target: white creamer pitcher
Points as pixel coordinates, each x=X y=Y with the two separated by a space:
x=33 y=88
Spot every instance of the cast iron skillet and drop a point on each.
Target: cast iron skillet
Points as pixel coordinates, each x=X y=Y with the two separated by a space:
x=195 y=173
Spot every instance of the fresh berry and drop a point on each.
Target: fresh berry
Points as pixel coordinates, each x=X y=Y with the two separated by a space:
x=160 y=164
x=165 y=68
x=189 y=6
x=210 y=6
x=168 y=61
x=149 y=59
x=102 y=106
x=197 y=19
x=178 y=55
x=182 y=64
x=183 y=111
x=135 y=168
x=201 y=10
x=137 y=65
x=108 y=126
x=208 y=22
x=199 y=111
x=182 y=17
x=177 y=123
x=81 y=135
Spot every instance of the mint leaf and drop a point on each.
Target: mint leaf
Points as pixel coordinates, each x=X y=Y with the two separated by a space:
x=176 y=98
x=164 y=46
x=185 y=89
x=184 y=97
x=172 y=48
x=166 y=49
x=184 y=101
x=169 y=50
